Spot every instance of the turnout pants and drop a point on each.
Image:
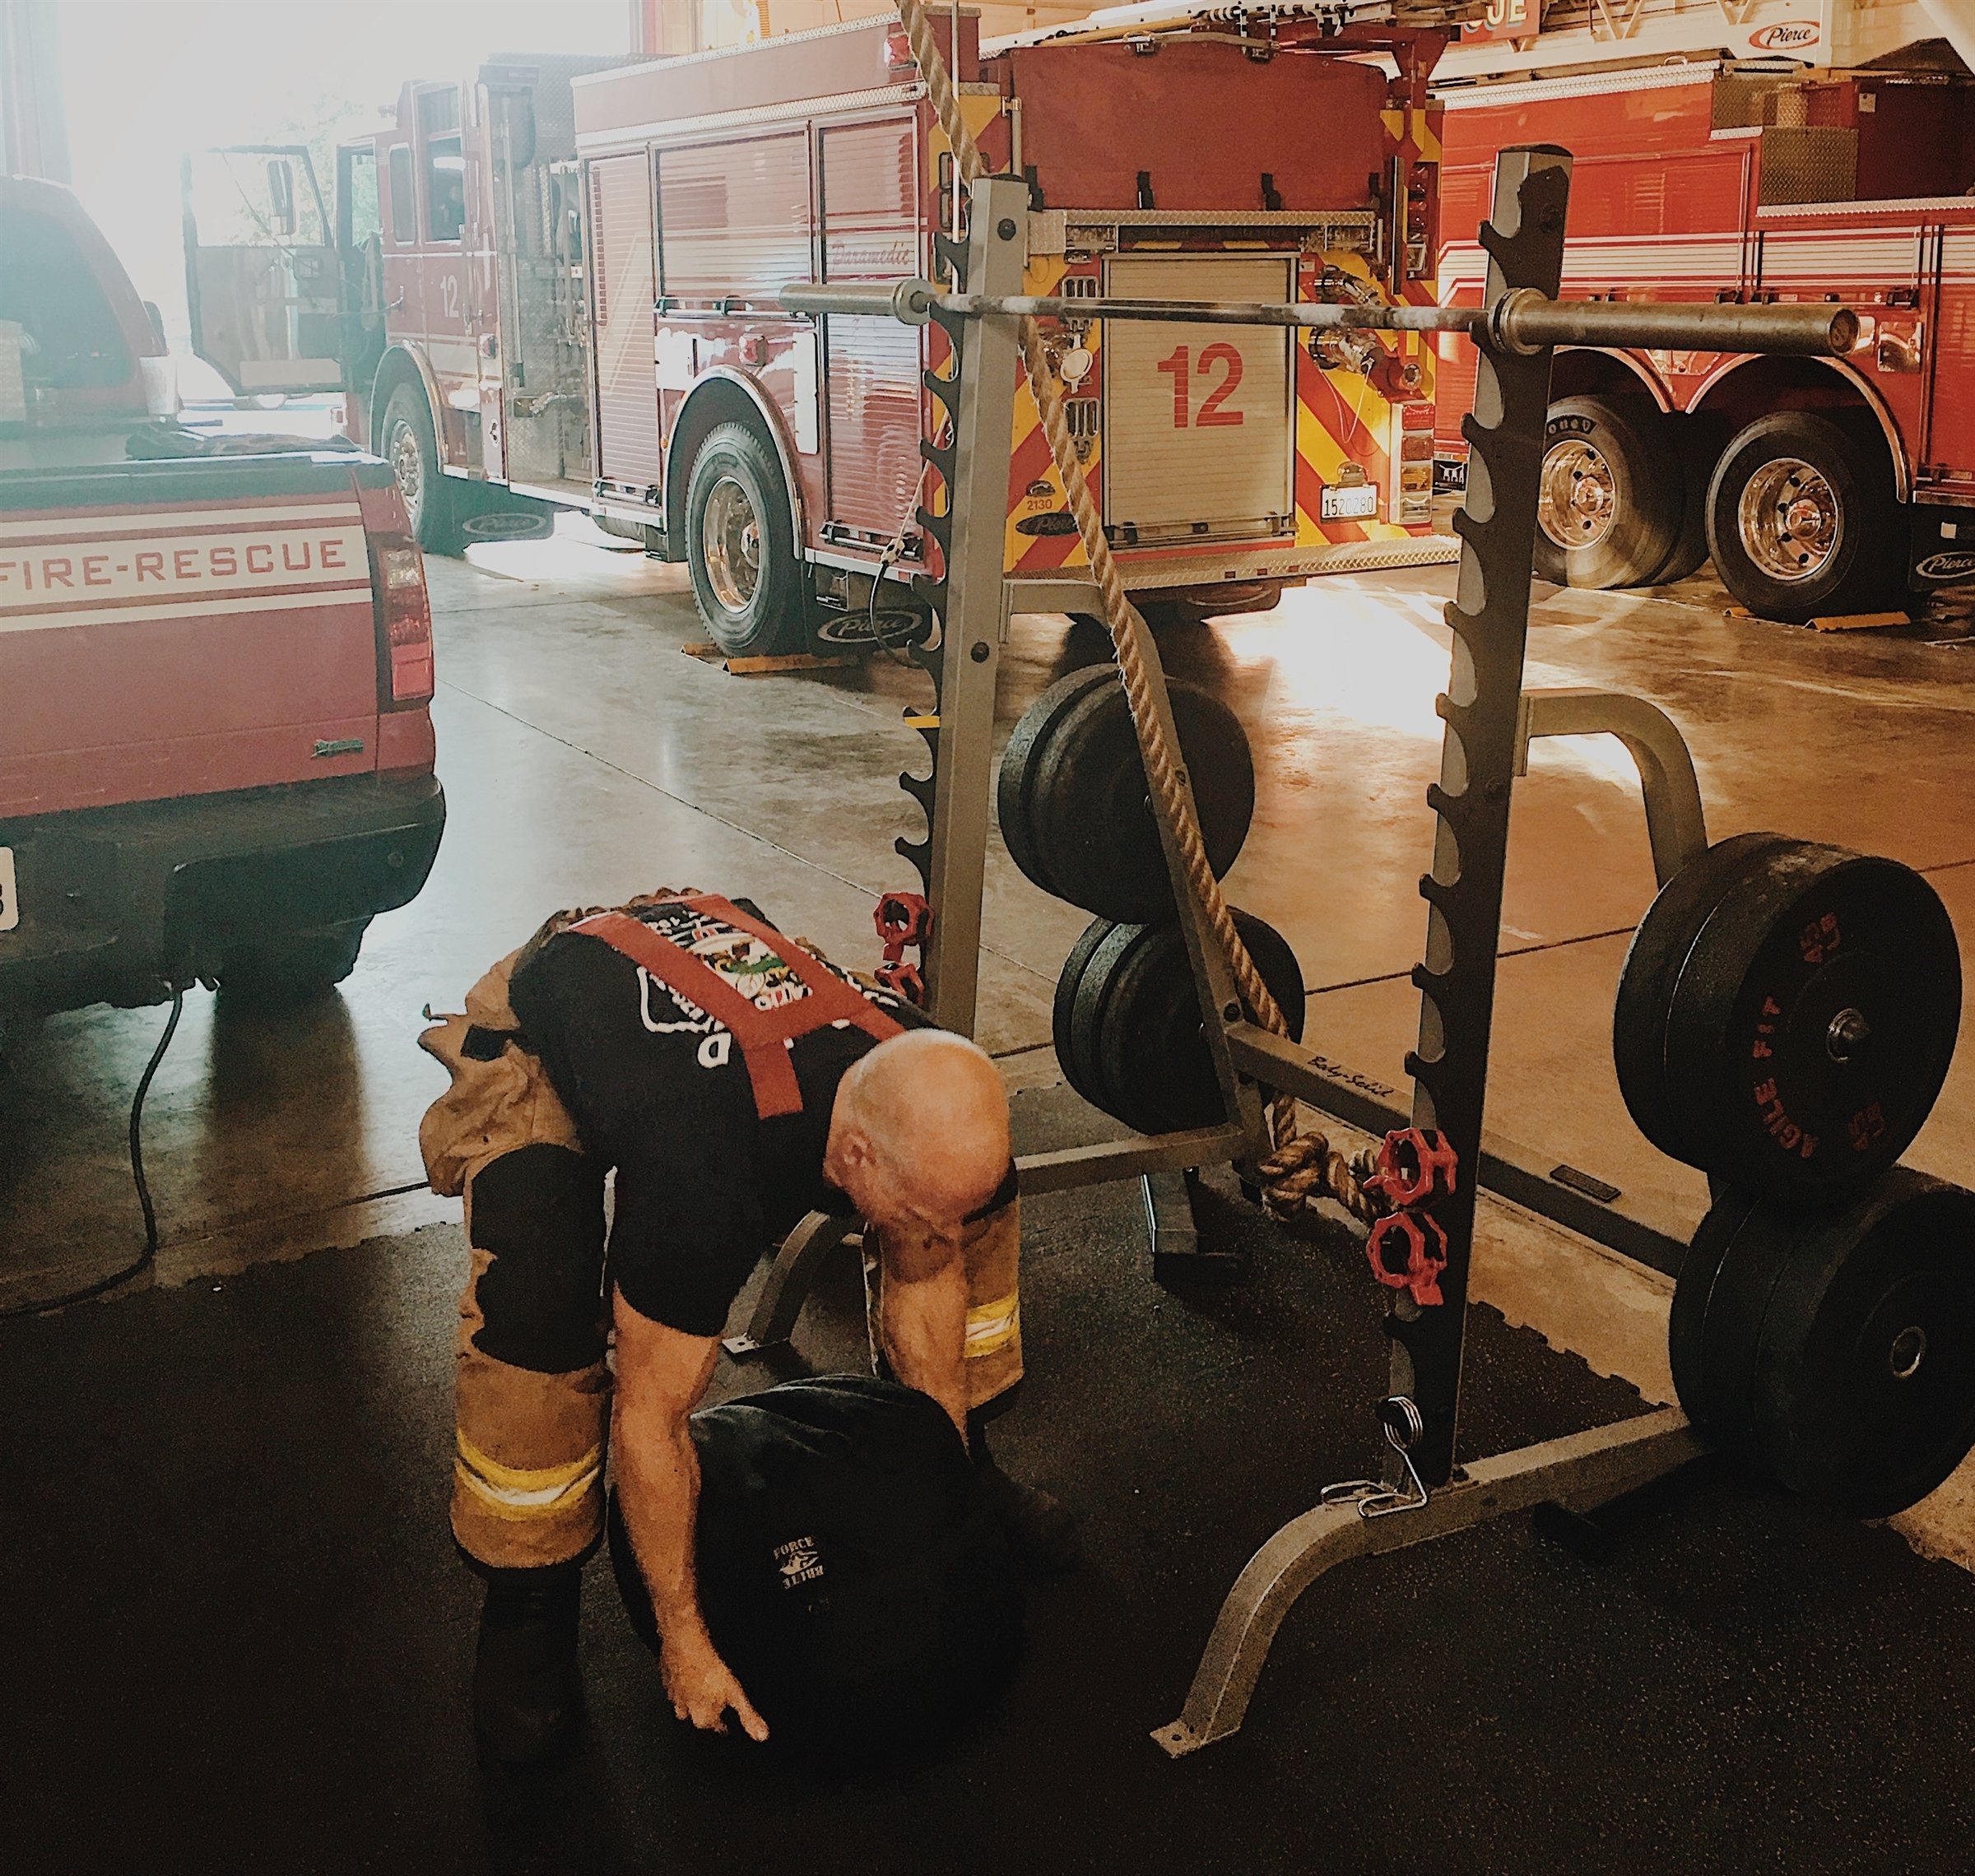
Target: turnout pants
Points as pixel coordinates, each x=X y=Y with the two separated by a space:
x=532 y=1386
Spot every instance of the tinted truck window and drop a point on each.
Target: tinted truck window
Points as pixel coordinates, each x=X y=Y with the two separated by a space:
x=72 y=340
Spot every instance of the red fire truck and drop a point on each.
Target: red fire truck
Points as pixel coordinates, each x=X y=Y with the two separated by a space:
x=1820 y=487
x=1175 y=153
x=441 y=292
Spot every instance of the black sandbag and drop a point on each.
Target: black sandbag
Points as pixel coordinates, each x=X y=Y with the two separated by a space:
x=850 y=1572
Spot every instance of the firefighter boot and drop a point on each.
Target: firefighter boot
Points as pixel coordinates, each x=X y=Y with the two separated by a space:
x=527 y=1693
x=1042 y=1530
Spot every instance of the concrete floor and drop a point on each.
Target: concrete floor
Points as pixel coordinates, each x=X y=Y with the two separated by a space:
x=586 y=758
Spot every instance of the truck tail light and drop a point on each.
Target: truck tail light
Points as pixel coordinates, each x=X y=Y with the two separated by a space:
x=404 y=619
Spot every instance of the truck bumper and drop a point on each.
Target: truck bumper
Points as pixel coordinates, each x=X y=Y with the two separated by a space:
x=118 y=905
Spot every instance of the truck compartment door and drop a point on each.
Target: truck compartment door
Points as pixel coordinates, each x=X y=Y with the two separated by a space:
x=1198 y=433
x=263 y=282
x=870 y=232
x=623 y=286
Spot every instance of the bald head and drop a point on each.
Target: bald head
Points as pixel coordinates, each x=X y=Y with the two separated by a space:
x=919 y=1131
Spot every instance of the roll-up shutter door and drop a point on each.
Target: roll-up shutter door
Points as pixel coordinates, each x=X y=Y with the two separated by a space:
x=1197 y=437
x=627 y=391
x=870 y=232
x=734 y=217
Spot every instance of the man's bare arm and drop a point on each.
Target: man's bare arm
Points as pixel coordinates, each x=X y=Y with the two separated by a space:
x=661 y=1373
x=925 y=1318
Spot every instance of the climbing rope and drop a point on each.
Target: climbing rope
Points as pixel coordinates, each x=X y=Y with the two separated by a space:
x=1302 y=1167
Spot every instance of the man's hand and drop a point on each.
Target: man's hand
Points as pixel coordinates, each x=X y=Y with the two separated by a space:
x=702 y=1688
x=661 y=1373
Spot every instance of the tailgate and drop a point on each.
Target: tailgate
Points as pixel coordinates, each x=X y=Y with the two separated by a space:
x=179 y=628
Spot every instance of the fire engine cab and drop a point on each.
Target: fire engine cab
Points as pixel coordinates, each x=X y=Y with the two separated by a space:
x=441 y=292
x=1169 y=155
x=1715 y=162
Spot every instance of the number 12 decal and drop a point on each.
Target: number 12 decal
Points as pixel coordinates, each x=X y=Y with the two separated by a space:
x=1209 y=415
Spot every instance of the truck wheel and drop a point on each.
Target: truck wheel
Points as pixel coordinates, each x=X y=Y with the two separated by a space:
x=1802 y=523
x=412 y=451
x=740 y=547
x=1609 y=499
x=1696 y=443
x=293 y=968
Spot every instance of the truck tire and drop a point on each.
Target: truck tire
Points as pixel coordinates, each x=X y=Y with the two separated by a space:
x=293 y=968
x=412 y=450
x=740 y=547
x=1609 y=497
x=1802 y=520
x=1696 y=443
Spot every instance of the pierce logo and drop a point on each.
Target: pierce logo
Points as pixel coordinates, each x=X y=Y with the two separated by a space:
x=1958 y=565
x=1787 y=35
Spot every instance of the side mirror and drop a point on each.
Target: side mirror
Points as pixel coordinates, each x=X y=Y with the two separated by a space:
x=513 y=128
x=280 y=195
x=157 y=324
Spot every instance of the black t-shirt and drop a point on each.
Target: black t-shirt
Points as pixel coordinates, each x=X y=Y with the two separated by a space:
x=660 y=1089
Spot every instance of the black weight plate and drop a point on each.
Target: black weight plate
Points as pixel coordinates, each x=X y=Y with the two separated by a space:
x=1012 y=785
x=1752 y=1263
x=1063 y=1008
x=1865 y=1392
x=1806 y=940
x=1653 y=961
x=1088 y=1017
x=1090 y=810
x=1152 y=1048
x=1686 y=1321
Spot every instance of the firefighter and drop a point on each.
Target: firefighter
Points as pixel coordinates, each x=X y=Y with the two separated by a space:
x=735 y=1081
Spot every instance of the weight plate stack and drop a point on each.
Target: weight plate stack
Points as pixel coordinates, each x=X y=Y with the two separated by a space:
x=1835 y=1354
x=1786 y=1015
x=1081 y=1069
x=1011 y=787
x=1127 y=1024
x=1075 y=812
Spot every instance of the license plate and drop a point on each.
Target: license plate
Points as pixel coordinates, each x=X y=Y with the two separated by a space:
x=10 y=901
x=1358 y=503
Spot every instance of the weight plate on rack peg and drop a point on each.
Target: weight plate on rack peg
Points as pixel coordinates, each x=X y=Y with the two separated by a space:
x=1010 y=794
x=1835 y=1353
x=1135 y=1026
x=1076 y=811
x=1786 y=1015
x=1079 y=1005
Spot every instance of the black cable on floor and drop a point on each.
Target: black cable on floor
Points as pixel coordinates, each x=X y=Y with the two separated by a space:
x=137 y=1173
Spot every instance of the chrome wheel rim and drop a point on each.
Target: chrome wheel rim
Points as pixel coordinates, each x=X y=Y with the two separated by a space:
x=409 y=467
x=731 y=534
x=1578 y=500
x=1791 y=521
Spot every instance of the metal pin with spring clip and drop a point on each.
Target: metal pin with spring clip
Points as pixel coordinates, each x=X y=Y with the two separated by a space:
x=1403 y=1424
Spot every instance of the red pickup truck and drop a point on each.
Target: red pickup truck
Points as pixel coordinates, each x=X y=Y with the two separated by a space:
x=216 y=748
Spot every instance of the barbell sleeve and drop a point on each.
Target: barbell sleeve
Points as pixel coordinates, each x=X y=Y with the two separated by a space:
x=1526 y=322
x=909 y=300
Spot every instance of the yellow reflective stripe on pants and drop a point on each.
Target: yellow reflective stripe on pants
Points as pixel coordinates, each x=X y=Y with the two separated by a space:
x=508 y=1492
x=992 y=1326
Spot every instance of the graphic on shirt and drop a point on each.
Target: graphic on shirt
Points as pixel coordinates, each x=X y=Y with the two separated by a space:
x=750 y=966
x=799 y=1561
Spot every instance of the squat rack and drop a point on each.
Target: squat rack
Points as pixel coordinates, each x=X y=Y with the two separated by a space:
x=1490 y=721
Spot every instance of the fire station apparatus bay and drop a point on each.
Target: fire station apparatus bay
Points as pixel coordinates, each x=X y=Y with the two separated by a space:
x=281 y=1397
